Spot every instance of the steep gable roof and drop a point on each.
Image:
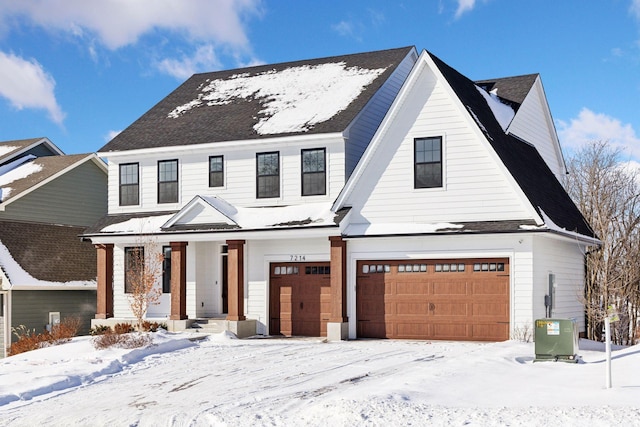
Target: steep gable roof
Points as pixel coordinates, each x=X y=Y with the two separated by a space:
x=46 y=252
x=302 y=97
x=10 y=150
x=35 y=172
x=521 y=159
x=511 y=89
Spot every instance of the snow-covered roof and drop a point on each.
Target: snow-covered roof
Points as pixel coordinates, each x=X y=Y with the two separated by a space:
x=221 y=215
x=44 y=256
x=314 y=96
x=293 y=100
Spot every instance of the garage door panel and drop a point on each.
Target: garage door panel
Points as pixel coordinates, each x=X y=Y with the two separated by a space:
x=412 y=308
x=412 y=288
x=497 y=288
x=490 y=332
x=494 y=310
x=454 y=287
x=434 y=299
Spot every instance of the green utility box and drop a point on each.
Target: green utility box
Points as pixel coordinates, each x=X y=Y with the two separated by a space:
x=556 y=340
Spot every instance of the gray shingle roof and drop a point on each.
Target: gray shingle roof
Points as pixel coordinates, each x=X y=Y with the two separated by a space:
x=512 y=89
x=19 y=144
x=50 y=165
x=235 y=118
x=49 y=252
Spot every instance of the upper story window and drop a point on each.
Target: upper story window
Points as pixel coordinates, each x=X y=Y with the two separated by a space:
x=168 y=181
x=129 y=184
x=216 y=171
x=428 y=162
x=267 y=175
x=314 y=174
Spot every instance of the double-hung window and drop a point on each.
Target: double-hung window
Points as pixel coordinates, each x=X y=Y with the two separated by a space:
x=314 y=174
x=216 y=171
x=129 y=184
x=267 y=175
x=428 y=162
x=168 y=181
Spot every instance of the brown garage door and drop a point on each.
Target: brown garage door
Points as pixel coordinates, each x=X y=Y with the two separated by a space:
x=455 y=299
x=299 y=299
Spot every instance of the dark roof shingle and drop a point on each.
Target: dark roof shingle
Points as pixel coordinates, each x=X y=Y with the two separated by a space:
x=235 y=118
x=49 y=252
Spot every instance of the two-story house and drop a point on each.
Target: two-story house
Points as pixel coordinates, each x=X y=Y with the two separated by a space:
x=47 y=199
x=379 y=194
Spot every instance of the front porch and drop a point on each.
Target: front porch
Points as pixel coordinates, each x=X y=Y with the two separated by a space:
x=182 y=310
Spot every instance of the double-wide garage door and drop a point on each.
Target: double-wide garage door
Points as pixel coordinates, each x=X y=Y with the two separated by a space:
x=465 y=299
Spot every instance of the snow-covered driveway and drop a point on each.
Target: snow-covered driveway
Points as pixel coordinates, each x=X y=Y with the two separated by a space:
x=220 y=381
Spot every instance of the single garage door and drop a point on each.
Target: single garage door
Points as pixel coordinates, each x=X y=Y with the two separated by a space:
x=454 y=299
x=299 y=299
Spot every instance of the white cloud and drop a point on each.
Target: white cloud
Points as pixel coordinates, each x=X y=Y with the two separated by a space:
x=590 y=126
x=343 y=28
x=118 y=23
x=111 y=134
x=635 y=8
x=204 y=59
x=25 y=84
x=464 y=6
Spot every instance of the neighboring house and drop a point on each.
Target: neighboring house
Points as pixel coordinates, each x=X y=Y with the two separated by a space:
x=47 y=199
x=380 y=194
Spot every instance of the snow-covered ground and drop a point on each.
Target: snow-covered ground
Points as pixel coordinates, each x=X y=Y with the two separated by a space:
x=278 y=381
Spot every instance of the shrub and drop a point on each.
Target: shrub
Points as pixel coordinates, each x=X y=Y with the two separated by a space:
x=123 y=328
x=129 y=340
x=29 y=340
x=153 y=326
x=100 y=329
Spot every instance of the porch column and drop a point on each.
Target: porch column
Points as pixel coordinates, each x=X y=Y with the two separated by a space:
x=104 y=303
x=178 y=281
x=235 y=260
x=337 y=327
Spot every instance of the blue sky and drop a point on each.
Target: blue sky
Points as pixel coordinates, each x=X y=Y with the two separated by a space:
x=79 y=71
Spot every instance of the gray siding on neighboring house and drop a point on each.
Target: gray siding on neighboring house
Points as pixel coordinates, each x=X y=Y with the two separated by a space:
x=79 y=197
x=32 y=308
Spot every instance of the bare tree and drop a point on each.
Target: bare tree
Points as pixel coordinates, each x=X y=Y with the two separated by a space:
x=143 y=270
x=608 y=194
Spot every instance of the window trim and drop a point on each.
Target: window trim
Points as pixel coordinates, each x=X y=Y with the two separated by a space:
x=323 y=172
x=166 y=269
x=127 y=251
x=177 y=181
x=121 y=185
x=258 y=176
x=221 y=171
x=416 y=163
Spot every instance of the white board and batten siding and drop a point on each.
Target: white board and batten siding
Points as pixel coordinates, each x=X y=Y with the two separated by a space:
x=526 y=125
x=239 y=174
x=366 y=123
x=474 y=187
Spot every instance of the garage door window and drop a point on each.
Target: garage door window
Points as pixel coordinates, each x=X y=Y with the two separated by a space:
x=450 y=268
x=488 y=266
x=320 y=269
x=283 y=270
x=375 y=268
